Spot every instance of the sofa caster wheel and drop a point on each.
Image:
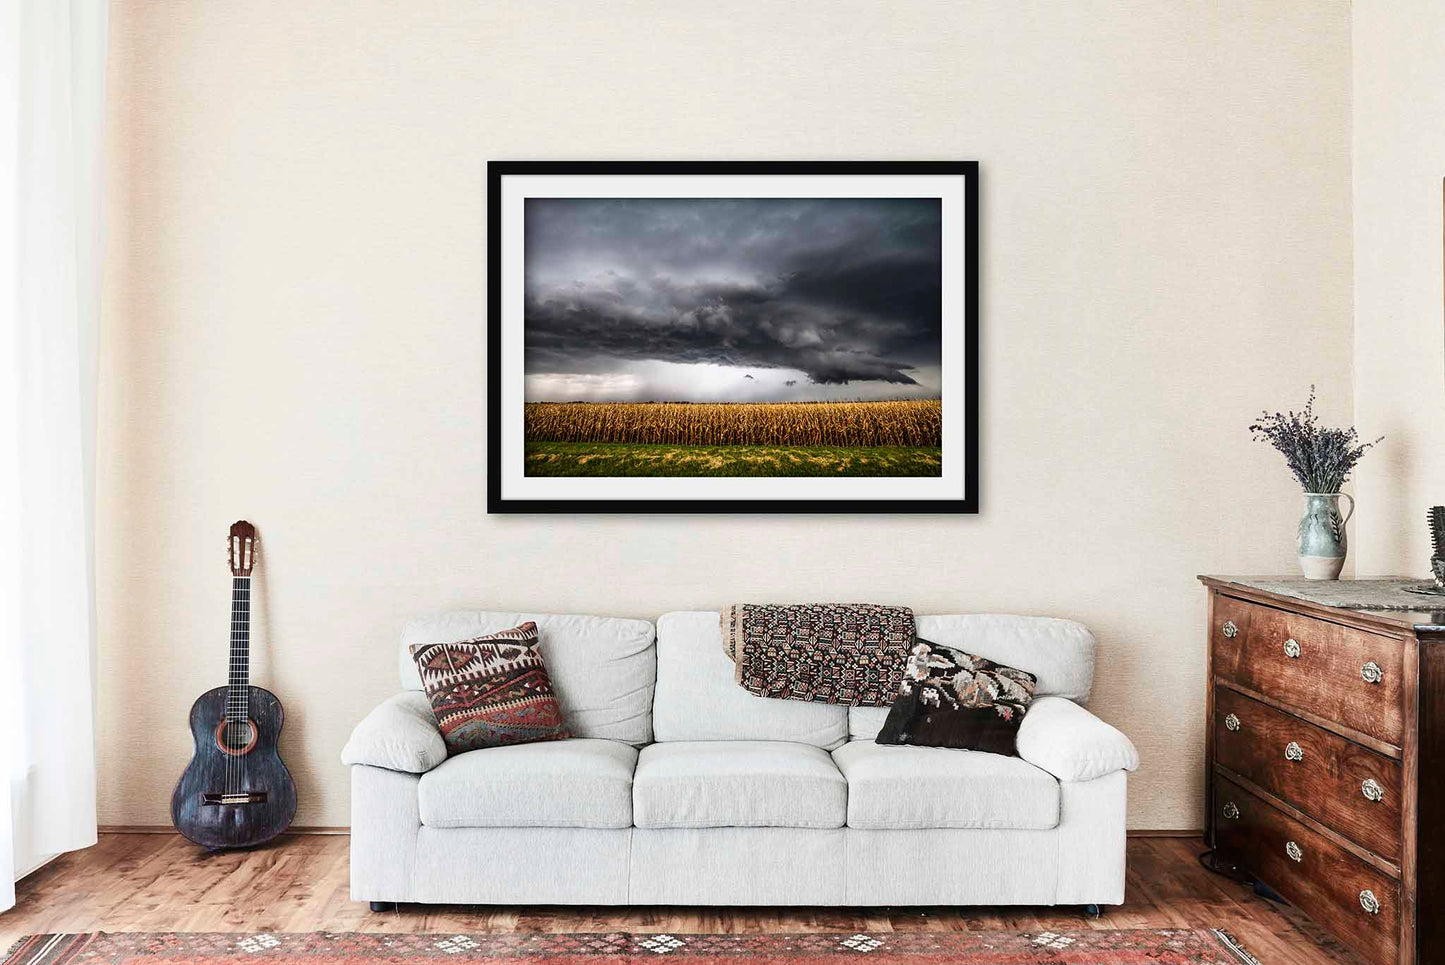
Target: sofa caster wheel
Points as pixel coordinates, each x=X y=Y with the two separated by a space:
x=1093 y=911
x=380 y=906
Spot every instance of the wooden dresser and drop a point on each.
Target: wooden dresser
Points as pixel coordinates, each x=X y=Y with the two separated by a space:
x=1326 y=754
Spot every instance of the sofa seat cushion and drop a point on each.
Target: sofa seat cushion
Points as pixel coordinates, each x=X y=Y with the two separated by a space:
x=737 y=784
x=577 y=783
x=899 y=787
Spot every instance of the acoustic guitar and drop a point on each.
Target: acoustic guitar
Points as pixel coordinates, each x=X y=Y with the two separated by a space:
x=236 y=793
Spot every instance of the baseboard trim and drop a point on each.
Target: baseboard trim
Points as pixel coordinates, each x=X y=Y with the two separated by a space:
x=325 y=829
x=167 y=829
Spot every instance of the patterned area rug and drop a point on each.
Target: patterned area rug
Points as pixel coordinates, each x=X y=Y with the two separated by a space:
x=1113 y=947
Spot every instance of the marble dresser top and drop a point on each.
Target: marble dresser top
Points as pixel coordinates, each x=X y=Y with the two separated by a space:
x=1405 y=599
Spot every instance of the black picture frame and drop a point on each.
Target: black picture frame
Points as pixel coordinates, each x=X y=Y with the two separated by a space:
x=968 y=504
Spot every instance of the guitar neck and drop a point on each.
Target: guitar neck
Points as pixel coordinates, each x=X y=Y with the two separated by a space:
x=238 y=680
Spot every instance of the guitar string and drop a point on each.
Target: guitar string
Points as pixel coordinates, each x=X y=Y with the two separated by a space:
x=239 y=724
x=230 y=672
x=234 y=773
x=244 y=711
x=237 y=710
x=230 y=685
x=238 y=696
x=231 y=692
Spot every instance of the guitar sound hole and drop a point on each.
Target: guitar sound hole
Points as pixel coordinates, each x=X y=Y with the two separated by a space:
x=236 y=736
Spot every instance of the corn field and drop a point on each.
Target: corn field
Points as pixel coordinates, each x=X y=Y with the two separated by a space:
x=911 y=423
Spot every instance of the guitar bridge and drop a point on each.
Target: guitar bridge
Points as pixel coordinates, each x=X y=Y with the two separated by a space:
x=239 y=797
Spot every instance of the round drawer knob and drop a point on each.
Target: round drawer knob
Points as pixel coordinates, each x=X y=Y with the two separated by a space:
x=1231 y=810
x=1371 y=673
x=1293 y=850
x=1293 y=752
x=1231 y=722
x=1230 y=630
x=1372 y=790
x=1291 y=648
x=1369 y=902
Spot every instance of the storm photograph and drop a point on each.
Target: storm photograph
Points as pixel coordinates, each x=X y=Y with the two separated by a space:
x=733 y=337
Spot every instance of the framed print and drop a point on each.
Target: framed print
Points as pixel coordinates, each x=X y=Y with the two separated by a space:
x=740 y=337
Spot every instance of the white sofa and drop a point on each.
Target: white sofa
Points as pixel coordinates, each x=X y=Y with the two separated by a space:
x=680 y=788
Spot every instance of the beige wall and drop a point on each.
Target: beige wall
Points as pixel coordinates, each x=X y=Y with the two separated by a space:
x=294 y=327
x=1399 y=161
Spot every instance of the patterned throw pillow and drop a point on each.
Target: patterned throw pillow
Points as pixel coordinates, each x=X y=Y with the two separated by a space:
x=954 y=699
x=490 y=691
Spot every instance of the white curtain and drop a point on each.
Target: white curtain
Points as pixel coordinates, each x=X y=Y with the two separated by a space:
x=52 y=54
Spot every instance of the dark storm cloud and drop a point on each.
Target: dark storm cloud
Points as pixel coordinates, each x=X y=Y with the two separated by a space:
x=841 y=289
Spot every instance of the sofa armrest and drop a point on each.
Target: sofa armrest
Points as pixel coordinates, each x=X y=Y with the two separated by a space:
x=399 y=735
x=1072 y=744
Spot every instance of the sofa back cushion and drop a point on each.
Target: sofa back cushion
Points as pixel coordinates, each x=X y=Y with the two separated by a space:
x=1059 y=653
x=698 y=699
x=602 y=668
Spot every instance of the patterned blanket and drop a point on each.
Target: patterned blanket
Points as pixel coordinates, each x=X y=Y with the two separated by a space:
x=831 y=653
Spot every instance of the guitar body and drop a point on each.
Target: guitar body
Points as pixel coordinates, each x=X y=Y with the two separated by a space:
x=236 y=793
x=239 y=795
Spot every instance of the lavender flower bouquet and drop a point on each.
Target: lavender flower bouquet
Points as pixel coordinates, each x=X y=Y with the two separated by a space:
x=1321 y=458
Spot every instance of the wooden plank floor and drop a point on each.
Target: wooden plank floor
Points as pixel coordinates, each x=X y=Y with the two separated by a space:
x=159 y=882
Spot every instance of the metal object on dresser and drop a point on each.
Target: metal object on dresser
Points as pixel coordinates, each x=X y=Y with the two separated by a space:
x=1437 y=545
x=1326 y=755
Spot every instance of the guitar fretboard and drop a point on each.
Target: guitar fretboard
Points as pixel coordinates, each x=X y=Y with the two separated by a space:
x=238 y=680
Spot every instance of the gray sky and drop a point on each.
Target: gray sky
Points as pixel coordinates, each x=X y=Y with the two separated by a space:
x=732 y=300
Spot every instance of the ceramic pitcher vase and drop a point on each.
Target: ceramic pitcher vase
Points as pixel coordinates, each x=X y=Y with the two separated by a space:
x=1322 y=543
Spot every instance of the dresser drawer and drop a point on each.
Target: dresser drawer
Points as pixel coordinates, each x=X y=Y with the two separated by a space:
x=1332 y=671
x=1324 y=880
x=1339 y=783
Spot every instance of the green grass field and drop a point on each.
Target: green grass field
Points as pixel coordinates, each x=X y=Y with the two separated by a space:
x=632 y=459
